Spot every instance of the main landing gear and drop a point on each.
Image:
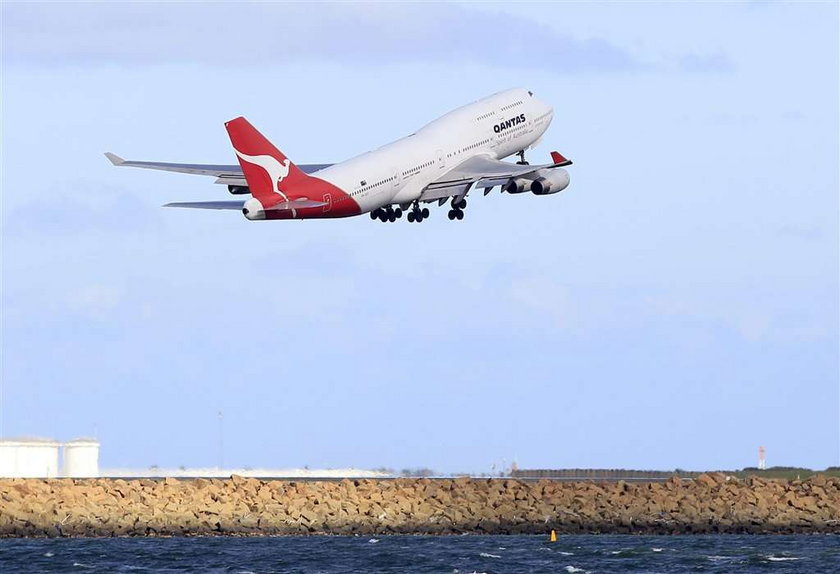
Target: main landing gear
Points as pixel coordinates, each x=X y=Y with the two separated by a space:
x=386 y=214
x=417 y=215
x=457 y=211
x=521 y=155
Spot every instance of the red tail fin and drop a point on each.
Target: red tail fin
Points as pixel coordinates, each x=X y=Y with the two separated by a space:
x=267 y=170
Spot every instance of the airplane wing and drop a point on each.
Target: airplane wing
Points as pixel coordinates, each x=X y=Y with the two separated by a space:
x=224 y=174
x=484 y=171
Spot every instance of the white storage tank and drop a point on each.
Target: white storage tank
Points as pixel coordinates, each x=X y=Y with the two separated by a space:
x=29 y=458
x=81 y=458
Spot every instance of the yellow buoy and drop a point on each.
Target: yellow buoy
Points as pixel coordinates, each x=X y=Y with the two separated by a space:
x=553 y=537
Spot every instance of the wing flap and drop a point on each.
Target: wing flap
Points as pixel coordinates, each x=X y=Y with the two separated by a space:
x=231 y=180
x=442 y=192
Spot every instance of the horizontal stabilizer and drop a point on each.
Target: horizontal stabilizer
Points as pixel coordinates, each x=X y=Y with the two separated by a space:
x=238 y=205
x=114 y=158
x=301 y=203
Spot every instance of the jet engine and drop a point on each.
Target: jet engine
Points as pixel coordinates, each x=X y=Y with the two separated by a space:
x=550 y=181
x=517 y=185
x=253 y=210
x=239 y=189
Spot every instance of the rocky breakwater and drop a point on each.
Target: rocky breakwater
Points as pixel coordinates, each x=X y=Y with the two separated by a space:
x=244 y=506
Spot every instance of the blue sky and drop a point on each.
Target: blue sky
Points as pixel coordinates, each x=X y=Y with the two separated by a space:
x=677 y=306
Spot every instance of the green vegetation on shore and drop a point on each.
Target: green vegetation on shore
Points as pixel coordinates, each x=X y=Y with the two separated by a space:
x=774 y=472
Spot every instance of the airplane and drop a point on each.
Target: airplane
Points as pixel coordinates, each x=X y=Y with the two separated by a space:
x=440 y=162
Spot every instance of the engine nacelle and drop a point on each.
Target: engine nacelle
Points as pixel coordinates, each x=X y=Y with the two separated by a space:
x=550 y=181
x=239 y=189
x=517 y=185
x=253 y=210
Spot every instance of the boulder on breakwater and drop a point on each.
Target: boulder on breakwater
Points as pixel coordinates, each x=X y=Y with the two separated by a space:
x=712 y=503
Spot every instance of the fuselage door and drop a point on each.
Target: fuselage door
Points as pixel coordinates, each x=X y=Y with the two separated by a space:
x=328 y=201
x=441 y=159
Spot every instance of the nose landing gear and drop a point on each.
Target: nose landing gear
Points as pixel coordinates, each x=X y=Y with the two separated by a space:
x=521 y=155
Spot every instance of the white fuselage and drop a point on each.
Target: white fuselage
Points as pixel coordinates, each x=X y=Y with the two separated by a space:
x=497 y=126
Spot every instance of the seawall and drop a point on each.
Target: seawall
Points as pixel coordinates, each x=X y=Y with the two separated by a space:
x=713 y=503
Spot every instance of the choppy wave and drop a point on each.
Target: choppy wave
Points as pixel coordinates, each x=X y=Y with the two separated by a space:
x=521 y=554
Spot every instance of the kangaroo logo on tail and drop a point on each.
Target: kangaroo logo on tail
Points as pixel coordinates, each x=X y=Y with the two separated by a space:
x=276 y=171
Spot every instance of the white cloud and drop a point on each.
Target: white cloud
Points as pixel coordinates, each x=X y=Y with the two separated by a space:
x=261 y=34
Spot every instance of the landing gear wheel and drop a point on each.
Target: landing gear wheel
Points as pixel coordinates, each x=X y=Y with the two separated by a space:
x=459 y=214
x=392 y=217
x=451 y=215
x=383 y=216
x=411 y=217
x=374 y=215
x=398 y=212
x=425 y=212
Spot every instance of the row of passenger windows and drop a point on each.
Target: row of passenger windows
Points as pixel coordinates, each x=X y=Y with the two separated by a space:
x=371 y=186
x=513 y=105
x=414 y=170
x=485 y=116
x=392 y=178
x=469 y=147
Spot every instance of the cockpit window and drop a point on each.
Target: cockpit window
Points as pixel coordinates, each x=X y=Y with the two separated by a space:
x=530 y=93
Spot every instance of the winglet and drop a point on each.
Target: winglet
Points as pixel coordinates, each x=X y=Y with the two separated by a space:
x=559 y=159
x=114 y=158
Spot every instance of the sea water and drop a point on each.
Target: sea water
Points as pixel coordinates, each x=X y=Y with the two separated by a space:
x=445 y=554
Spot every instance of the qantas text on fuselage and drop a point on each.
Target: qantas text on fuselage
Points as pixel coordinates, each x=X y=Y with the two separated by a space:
x=443 y=161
